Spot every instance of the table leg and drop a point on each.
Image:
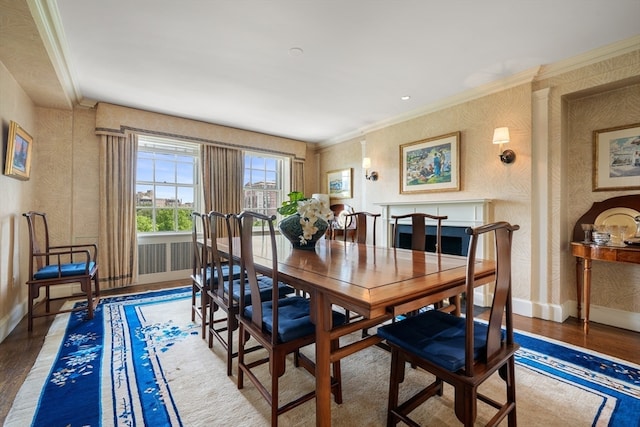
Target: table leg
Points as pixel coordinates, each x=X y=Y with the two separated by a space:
x=579 y=281
x=586 y=280
x=323 y=364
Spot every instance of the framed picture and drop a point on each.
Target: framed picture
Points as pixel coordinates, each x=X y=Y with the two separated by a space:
x=430 y=165
x=339 y=183
x=19 y=147
x=616 y=158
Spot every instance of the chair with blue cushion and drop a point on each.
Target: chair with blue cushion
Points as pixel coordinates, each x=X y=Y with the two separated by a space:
x=224 y=289
x=281 y=326
x=58 y=265
x=460 y=351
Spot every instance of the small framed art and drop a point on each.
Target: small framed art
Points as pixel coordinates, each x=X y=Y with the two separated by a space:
x=430 y=165
x=339 y=184
x=616 y=158
x=19 y=147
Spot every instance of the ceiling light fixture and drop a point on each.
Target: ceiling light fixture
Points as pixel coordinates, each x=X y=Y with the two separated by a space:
x=296 y=51
x=405 y=98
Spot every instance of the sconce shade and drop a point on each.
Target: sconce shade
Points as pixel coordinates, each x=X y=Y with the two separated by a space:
x=501 y=135
x=366 y=162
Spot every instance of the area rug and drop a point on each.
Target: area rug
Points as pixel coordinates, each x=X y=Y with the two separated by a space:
x=141 y=361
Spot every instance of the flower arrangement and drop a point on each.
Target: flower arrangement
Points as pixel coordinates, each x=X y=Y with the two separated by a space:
x=310 y=210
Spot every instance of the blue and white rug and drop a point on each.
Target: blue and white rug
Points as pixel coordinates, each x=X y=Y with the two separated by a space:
x=141 y=361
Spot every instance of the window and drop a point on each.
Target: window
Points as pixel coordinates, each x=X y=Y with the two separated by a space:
x=266 y=178
x=167 y=184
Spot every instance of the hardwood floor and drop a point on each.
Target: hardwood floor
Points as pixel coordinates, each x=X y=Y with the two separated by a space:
x=20 y=349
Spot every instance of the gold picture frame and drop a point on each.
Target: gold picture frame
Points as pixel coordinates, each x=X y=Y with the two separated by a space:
x=616 y=158
x=19 y=148
x=430 y=165
x=340 y=184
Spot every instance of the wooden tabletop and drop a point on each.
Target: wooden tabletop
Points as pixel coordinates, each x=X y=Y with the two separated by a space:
x=370 y=280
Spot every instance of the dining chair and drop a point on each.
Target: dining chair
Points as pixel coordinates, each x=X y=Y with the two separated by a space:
x=51 y=265
x=339 y=222
x=419 y=243
x=224 y=290
x=281 y=326
x=460 y=351
x=201 y=269
x=359 y=221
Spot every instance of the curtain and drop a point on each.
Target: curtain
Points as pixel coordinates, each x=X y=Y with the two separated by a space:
x=222 y=171
x=297 y=176
x=118 y=250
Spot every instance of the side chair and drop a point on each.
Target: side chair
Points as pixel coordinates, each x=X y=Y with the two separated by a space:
x=361 y=226
x=460 y=351
x=51 y=265
x=202 y=274
x=281 y=326
x=419 y=243
x=223 y=291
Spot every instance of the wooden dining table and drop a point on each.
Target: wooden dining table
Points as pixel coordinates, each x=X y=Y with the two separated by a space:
x=376 y=282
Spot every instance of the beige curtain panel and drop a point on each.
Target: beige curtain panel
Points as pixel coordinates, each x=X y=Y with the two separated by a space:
x=222 y=170
x=118 y=243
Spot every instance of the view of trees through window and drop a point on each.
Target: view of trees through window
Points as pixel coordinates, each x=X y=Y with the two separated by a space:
x=166 y=185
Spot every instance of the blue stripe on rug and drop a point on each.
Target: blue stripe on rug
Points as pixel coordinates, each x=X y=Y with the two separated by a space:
x=610 y=378
x=76 y=371
x=74 y=394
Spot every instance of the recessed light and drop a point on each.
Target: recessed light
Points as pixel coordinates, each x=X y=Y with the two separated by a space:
x=296 y=51
x=405 y=98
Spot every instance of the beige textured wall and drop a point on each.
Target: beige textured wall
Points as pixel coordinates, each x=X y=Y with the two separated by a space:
x=613 y=283
x=482 y=173
x=15 y=198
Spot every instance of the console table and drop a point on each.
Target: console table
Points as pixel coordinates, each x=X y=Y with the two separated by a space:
x=585 y=253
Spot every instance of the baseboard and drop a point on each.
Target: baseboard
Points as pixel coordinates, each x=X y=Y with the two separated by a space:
x=559 y=313
x=11 y=320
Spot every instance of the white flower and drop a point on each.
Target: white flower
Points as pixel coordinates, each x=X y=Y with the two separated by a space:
x=311 y=211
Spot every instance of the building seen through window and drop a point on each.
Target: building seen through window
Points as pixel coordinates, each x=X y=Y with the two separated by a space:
x=167 y=184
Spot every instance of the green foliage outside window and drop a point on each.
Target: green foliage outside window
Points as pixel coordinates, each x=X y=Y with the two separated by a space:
x=165 y=220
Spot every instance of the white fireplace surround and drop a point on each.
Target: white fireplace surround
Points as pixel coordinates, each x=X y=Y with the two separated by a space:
x=460 y=213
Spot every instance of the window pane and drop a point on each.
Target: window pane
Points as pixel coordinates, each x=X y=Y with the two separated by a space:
x=167 y=184
x=144 y=171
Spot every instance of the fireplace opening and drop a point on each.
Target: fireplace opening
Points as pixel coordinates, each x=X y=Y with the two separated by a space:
x=454 y=240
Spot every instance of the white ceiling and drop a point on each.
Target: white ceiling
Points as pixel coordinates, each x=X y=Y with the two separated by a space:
x=230 y=62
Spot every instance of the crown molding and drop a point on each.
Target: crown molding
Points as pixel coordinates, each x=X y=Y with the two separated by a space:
x=47 y=19
x=534 y=74
x=526 y=76
x=588 y=58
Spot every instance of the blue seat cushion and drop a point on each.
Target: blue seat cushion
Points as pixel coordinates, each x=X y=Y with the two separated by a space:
x=265 y=286
x=437 y=337
x=65 y=270
x=294 y=319
x=236 y=270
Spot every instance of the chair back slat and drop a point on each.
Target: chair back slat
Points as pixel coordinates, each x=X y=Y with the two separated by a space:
x=220 y=227
x=38 y=239
x=248 y=221
x=501 y=306
x=419 y=230
x=198 y=243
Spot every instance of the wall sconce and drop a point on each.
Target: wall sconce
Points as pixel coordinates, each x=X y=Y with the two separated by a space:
x=366 y=164
x=501 y=136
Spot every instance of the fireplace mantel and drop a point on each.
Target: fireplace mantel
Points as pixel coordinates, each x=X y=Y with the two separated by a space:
x=461 y=213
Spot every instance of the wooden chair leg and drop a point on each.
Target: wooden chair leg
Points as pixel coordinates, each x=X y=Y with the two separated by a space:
x=395 y=378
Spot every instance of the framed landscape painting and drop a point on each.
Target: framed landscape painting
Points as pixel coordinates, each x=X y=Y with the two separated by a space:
x=430 y=165
x=19 y=147
x=339 y=183
x=616 y=158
